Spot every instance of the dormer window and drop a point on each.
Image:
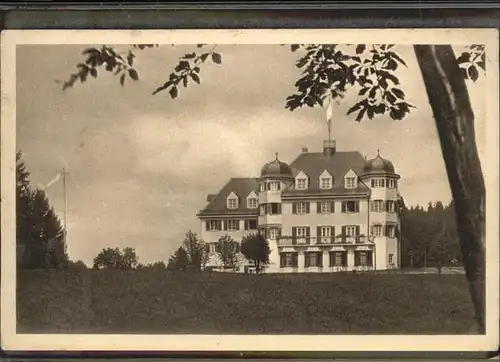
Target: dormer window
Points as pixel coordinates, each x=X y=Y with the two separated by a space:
x=301 y=184
x=252 y=203
x=252 y=200
x=325 y=180
x=326 y=183
x=232 y=201
x=350 y=182
x=301 y=181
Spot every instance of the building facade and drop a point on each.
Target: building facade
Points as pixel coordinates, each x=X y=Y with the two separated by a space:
x=327 y=211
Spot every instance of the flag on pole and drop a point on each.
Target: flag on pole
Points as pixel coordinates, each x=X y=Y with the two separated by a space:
x=329 y=114
x=51 y=182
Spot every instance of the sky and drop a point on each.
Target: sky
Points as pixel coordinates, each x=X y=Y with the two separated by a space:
x=142 y=165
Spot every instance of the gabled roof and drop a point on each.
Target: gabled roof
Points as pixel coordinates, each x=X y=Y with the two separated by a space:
x=241 y=187
x=313 y=164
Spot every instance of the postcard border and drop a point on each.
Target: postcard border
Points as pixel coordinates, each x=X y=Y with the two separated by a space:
x=42 y=342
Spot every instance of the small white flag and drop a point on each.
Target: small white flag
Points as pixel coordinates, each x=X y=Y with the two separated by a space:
x=329 y=114
x=53 y=181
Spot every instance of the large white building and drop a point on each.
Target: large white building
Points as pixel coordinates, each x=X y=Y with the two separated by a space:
x=325 y=212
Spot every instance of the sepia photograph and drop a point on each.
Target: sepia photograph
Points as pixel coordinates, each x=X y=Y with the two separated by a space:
x=250 y=189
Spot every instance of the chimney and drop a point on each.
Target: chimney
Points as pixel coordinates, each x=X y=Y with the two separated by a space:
x=329 y=148
x=304 y=150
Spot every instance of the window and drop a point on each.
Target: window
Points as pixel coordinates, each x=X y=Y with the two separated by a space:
x=252 y=203
x=232 y=203
x=233 y=225
x=301 y=232
x=301 y=184
x=378 y=182
x=288 y=259
x=325 y=207
x=391 y=206
x=212 y=225
x=274 y=234
x=262 y=187
x=351 y=230
x=391 y=258
x=350 y=182
x=274 y=186
x=325 y=231
x=313 y=259
x=301 y=208
x=378 y=205
x=350 y=206
x=273 y=208
x=391 y=231
x=262 y=210
x=326 y=183
x=391 y=183
x=377 y=230
x=250 y=224
x=363 y=258
x=338 y=258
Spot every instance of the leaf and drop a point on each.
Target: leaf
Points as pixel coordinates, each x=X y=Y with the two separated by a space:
x=163 y=87
x=398 y=58
x=190 y=55
x=391 y=64
x=398 y=93
x=83 y=75
x=370 y=112
x=200 y=45
x=390 y=76
x=130 y=58
x=185 y=81
x=122 y=79
x=302 y=62
x=473 y=73
x=93 y=72
x=183 y=64
x=354 y=108
x=295 y=47
x=204 y=56
x=216 y=58
x=360 y=48
x=195 y=77
x=463 y=58
x=133 y=74
x=173 y=92
x=360 y=115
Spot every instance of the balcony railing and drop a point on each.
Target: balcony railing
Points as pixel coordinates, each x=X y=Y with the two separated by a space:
x=325 y=240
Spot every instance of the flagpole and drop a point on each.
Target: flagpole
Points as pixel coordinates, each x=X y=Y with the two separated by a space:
x=65 y=207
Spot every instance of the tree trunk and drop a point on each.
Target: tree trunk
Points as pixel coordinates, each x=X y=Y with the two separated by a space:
x=454 y=118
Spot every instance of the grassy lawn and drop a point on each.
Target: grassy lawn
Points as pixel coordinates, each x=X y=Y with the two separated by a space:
x=149 y=302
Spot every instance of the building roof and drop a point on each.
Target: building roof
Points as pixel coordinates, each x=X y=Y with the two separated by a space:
x=276 y=169
x=378 y=165
x=241 y=187
x=313 y=164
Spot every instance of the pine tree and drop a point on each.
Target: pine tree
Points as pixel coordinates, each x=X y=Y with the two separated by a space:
x=40 y=236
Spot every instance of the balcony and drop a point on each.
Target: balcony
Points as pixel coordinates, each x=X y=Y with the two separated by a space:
x=270 y=219
x=326 y=240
